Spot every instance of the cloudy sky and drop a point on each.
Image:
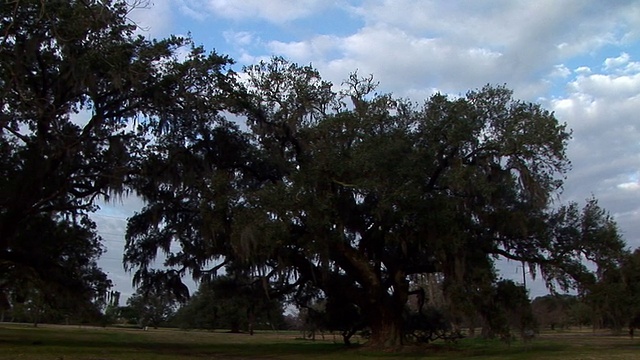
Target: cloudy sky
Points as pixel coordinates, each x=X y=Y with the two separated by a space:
x=578 y=58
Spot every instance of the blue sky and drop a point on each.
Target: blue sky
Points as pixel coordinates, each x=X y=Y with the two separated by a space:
x=578 y=58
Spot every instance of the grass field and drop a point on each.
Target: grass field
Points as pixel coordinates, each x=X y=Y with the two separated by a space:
x=88 y=343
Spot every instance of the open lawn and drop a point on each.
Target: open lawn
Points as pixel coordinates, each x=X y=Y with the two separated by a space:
x=89 y=343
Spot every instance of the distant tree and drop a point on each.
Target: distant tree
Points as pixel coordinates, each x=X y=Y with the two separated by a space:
x=201 y=311
x=152 y=306
x=509 y=311
x=614 y=297
x=594 y=231
x=559 y=311
x=553 y=311
x=580 y=313
x=609 y=301
x=129 y=315
x=232 y=302
x=631 y=278
x=112 y=308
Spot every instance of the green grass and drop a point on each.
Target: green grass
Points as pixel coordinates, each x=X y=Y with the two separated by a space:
x=88 y=343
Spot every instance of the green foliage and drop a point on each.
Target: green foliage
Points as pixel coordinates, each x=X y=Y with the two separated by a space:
x=61 y=61
x=112 y=308
x=614 y=297
x=573 y=235
x=328 y=195
x=233 y=303
x=323 y=195
x=73 y=288
x=151 y=307
x=200 y=312
x=77 y=91
x=508 y=311
x=562 y=311
x=343 y=195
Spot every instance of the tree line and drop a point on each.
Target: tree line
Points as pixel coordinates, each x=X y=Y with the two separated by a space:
x=324 y=196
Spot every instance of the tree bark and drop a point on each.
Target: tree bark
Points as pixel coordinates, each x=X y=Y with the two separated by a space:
x=251 y=317
x=386 y=326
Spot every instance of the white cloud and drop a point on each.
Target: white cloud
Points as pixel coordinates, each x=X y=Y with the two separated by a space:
x=602 y=109
x=634 y=186
x=455 y=46
x=191 y=8
x=560 y=71
x=536 y=30
x=111 y=221
x=239 y=38
x=607 y=86
x=583 y=70
x=275 y=11
x=621 y=65
x=614 y=63
x=154 y=20
x=399 y=60
x=316 y=48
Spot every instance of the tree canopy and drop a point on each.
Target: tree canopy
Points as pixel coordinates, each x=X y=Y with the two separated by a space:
x=152 y=306
x=73 y=288
x=77 y=88
x=231 y=302
x=313 y=192
x=346 y=194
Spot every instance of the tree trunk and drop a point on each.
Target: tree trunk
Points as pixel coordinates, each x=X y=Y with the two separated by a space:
x=251 y=319
x=386 y=327
x=235 y=327
x=487 y=331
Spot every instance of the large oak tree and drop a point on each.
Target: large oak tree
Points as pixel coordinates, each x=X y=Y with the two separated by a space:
x=77 y=88
x=345 y=195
